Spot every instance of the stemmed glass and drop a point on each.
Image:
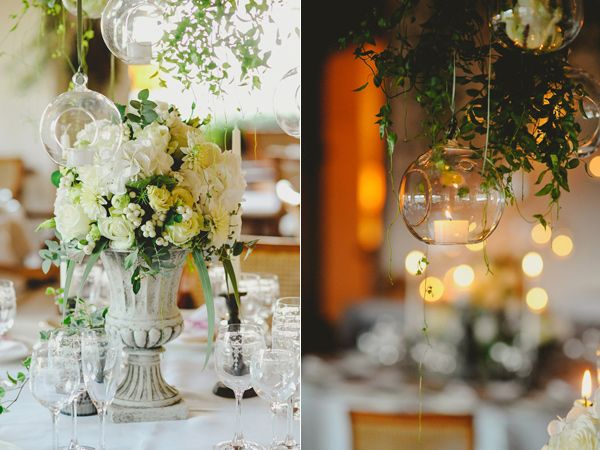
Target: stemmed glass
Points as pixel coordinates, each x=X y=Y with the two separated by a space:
x=285 y=334
x=8 y=306
x=236 y=345
x=274 y=379
x=69 y=340
x=101 y=358
x=55 y=378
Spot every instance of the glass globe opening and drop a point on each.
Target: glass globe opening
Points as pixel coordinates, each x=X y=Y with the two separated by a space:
x=70 y=125
x=132 y=29
x=447 y=201
x=538 y=26
x=287 y=103
x=587 y=112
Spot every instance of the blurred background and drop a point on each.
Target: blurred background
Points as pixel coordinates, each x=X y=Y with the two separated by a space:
x=505 y=351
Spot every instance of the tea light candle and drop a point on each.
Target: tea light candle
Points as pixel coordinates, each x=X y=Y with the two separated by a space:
x=140 y=50
x=79 y=157
x=451 y=231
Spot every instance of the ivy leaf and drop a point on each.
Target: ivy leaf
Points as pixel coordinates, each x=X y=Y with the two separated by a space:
x=55 y=178
x=144 y=94
x=545 y=190
x=360 y=88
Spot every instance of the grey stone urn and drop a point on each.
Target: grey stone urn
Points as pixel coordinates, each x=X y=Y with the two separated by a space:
x=144 y=322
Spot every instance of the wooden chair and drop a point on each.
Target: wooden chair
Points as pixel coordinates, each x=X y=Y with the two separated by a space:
x=12 y=175
x=277 y=255
x=401 y=431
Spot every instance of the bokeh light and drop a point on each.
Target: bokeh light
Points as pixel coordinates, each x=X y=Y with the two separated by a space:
x=532 y=264
x=537 y=299
x=411 y=263
x=593 y=167
x=463 y=275
x=562 y=245
x=541 y=235
x=431 y=289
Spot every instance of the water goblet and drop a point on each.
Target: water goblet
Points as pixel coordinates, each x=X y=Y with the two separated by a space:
x=101 y=357
x=54 y=379
x=235 y=347
x=273 y=375
x=285 y=334
x=68 y=341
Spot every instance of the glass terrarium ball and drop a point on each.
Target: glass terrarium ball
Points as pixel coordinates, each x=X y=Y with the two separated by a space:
x=286 y=102
x=538 y=26
x=75 y=122
x=587 y=112
x=91 y=8
x=132 y=29
x=445 y=200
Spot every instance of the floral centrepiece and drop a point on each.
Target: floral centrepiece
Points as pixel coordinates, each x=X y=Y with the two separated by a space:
x=166 y=185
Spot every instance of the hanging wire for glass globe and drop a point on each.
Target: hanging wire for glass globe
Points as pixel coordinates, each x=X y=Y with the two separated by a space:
x=287 y=102
x=70 y=124
x=91 y=8
x=132 y=29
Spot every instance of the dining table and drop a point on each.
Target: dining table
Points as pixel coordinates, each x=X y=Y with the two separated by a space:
x=28 y=426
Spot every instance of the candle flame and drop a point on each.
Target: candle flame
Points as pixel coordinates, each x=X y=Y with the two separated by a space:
x=447 y=214
x=586 y=385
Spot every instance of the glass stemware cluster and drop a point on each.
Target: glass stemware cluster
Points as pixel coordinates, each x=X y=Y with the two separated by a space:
x=70 y=363
x=242 y=360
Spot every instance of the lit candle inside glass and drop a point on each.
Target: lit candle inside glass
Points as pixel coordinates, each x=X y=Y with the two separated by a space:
x=451 y=231
x=586 y=389
x=236 y=141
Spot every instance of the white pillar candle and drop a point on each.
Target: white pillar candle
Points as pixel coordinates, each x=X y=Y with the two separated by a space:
x=451 y=231
x=236 y=141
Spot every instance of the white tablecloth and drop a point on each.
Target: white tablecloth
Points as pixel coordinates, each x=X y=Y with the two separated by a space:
x=28 y=424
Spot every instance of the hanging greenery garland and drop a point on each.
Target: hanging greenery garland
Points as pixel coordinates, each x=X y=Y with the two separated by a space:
x=533 y=102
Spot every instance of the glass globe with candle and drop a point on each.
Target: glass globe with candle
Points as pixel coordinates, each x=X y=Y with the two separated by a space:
x=445 y=200
x=76 y=117
x=537 y=26
x=286 y=102
x=132 y=29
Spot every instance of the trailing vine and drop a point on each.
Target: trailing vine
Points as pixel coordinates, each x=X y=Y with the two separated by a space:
x=532 y=104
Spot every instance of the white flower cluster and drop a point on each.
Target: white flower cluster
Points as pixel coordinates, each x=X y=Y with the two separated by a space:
x=579 y=430
x=135 y=193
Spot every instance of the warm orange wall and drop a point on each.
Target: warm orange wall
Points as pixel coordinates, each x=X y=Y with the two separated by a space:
x=353 y=150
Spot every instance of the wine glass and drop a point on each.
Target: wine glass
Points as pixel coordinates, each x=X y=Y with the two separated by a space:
x=8 y=306
x=274 y=379
x=68 y=341
x=54 y=379
x=236 y=345
x=285 y=334
x=101 y=358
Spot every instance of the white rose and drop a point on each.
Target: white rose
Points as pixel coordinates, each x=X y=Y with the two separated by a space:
x=118 y=230
x=183 y=232
x=71 y=220
x=580 y=434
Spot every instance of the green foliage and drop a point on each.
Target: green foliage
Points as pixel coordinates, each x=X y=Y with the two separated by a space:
x=144 y=108
x=192 y=51
x=532 y=100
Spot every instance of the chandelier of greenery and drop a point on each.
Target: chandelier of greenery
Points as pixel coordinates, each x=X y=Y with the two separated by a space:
x=203 y=44
x=531 y=100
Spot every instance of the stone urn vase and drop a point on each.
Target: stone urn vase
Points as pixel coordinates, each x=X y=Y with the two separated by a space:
x=144 y=322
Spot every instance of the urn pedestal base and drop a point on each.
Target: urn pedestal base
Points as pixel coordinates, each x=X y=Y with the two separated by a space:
x=125 y=414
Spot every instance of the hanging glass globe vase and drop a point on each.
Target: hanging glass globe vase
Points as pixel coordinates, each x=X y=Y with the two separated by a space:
x=91 y=8
x=587 y=112
x=132 y=29
x=538 y=26
x=444 y=199
x=287 y=104
x=77 y=122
